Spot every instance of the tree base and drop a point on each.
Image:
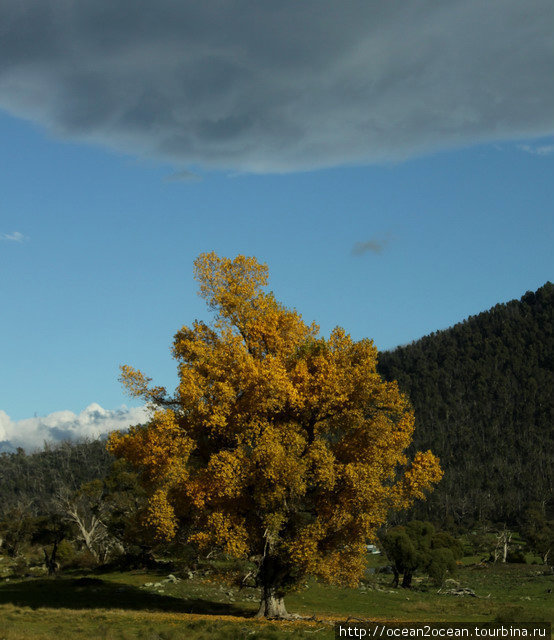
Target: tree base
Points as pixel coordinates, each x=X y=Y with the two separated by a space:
x=272 y=607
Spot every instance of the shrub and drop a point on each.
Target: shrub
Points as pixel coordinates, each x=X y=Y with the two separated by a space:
x=20 y=567
x=66 y=554
x=516 y=556
x=440 y=562
x=84 y=560
x=417 y=546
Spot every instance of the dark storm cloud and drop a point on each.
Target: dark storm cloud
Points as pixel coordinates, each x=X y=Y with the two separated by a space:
x=260 y=86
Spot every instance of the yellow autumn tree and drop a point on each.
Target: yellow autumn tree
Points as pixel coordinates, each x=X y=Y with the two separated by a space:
x=278 y=444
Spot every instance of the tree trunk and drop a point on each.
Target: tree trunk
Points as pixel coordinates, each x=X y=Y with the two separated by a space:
x=502 y=545
x=272 y=604
x=271 y=577
x=50 y=560
x=407 y=580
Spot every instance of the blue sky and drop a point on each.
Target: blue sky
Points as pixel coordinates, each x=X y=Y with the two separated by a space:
x=391 y=237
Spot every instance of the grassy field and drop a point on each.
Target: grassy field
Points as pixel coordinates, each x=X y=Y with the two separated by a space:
x=120 y=606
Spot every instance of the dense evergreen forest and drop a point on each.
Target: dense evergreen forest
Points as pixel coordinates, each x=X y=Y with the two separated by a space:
x=483 y=393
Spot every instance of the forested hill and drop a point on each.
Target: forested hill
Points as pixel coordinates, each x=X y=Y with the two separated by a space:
x=31 y=481
x=483 y=393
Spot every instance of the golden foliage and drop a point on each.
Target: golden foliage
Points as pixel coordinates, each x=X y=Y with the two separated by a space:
x=275 y=436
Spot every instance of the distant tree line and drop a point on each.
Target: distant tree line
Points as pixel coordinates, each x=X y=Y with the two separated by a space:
x=483 y=393
x=32 y=479
x=75 y=504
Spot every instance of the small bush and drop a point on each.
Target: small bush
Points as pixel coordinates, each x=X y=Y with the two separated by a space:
x=35 y=556
x=516 y=556
x=84 y=560
x=66 y=554
x=20 y=567
x=441 y=561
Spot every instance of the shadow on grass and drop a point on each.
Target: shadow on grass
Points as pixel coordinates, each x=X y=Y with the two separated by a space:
x=93 y=593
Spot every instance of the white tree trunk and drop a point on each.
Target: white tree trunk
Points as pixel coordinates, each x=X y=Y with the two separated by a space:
x=272 y=605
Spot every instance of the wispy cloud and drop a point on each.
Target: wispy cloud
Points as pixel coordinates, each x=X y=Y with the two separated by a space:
x=15 y=236
x=538 y=150
x=31 y=433
x=231 y=85
x=369 y=246
x=183 y=176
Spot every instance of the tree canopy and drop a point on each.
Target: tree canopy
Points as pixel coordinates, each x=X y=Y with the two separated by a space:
x=277 y=444
x=418 y=546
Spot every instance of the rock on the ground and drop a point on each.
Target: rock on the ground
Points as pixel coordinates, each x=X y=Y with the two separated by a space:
x=172 y=578
x=460 y=591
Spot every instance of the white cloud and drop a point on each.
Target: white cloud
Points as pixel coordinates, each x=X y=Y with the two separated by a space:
x=31 y=433
x=538 y=150
x=270 y=87
x=16 y=236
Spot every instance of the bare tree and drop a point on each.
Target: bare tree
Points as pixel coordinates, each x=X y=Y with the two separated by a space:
x=503 y=539
x=88 y=512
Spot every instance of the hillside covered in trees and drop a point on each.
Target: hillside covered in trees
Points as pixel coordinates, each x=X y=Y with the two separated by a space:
x=483 y=393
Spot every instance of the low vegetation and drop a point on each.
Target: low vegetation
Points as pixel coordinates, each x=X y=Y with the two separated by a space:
x=173 y=603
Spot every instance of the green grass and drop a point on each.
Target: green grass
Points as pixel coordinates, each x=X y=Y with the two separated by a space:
x=120 y=625
x=118 y=606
